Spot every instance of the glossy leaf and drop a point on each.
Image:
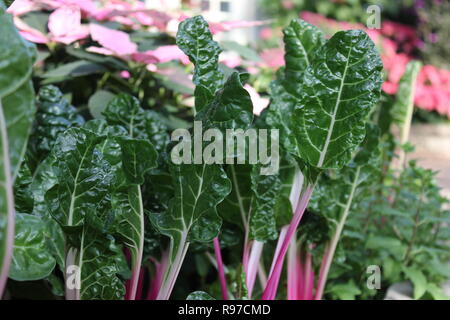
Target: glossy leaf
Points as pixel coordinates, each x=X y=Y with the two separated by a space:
x=199 y=295
x=138 y=157
x=32 y=258
x=265 y=190
x=23 y=198
x=99 y=260
x=196 y=41
x=340 y=89
x=192 y=214
x=16 y=114
x=301 y=43
x=54 y=116
x=198 y=190
x=125 y=110
x=83 y=177
x=231 y=108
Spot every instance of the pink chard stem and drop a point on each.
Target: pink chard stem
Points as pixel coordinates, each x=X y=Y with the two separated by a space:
x=220 y=268
x=272 y=284
x=253 y=265
x=309 y=278
x=10 y=213
x=292 y=271
x=156 y=281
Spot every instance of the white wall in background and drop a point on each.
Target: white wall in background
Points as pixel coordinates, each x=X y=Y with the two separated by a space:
x=163 y=4
x=231 y=10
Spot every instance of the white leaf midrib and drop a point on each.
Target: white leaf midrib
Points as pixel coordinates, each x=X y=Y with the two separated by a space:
x=333 y=115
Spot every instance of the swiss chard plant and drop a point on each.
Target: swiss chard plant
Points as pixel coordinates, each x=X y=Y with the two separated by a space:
x=115 y=204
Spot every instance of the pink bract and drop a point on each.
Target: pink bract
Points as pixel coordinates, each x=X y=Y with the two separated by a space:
x=116 y=41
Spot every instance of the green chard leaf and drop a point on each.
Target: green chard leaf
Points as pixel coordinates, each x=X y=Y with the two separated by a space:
x=125 y=111
x=251 y=203
x=402 y=109
x=32 y=258
x=199 y=295
x=265 y=189
x=198 y=190
x=137 y=157
x=54 y=116
x=16 y=115
x=83 y=177
x=192 y=214
x=99 y=262
x=231 y=108
x=340 y=88
x=196 y=41
x=23 y=197
x=302 y=41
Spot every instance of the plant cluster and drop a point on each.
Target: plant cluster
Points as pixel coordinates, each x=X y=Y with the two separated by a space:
x=93 y=207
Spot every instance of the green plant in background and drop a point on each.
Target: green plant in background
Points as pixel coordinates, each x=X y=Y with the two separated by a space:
x=407 y=244
x=346 y=10
x=434 y=29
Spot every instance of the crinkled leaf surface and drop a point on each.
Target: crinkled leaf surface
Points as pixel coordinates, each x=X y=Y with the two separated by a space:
x=301 y=41
x=32 y=258
x=340 y=88
x=196 y=41
x=54 y=115
x=265 y=189
x=100 y=264
x=198 y=190
x=251 y=203
x=83 y=177
x=199 y=295
x=231 y=108
x=125 y=110
x=138 y=157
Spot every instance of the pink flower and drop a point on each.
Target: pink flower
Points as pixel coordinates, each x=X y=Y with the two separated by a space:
x=395 y=65
x=169 y=53
x=125 y=74
x=64 y=26
x=29 y=33
x=114 y=42
x=266 y=33
x=161 y=55
x=20 y=7
x=272 y=58
x=231 y=59
x=433 y=90
x=389 y=87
